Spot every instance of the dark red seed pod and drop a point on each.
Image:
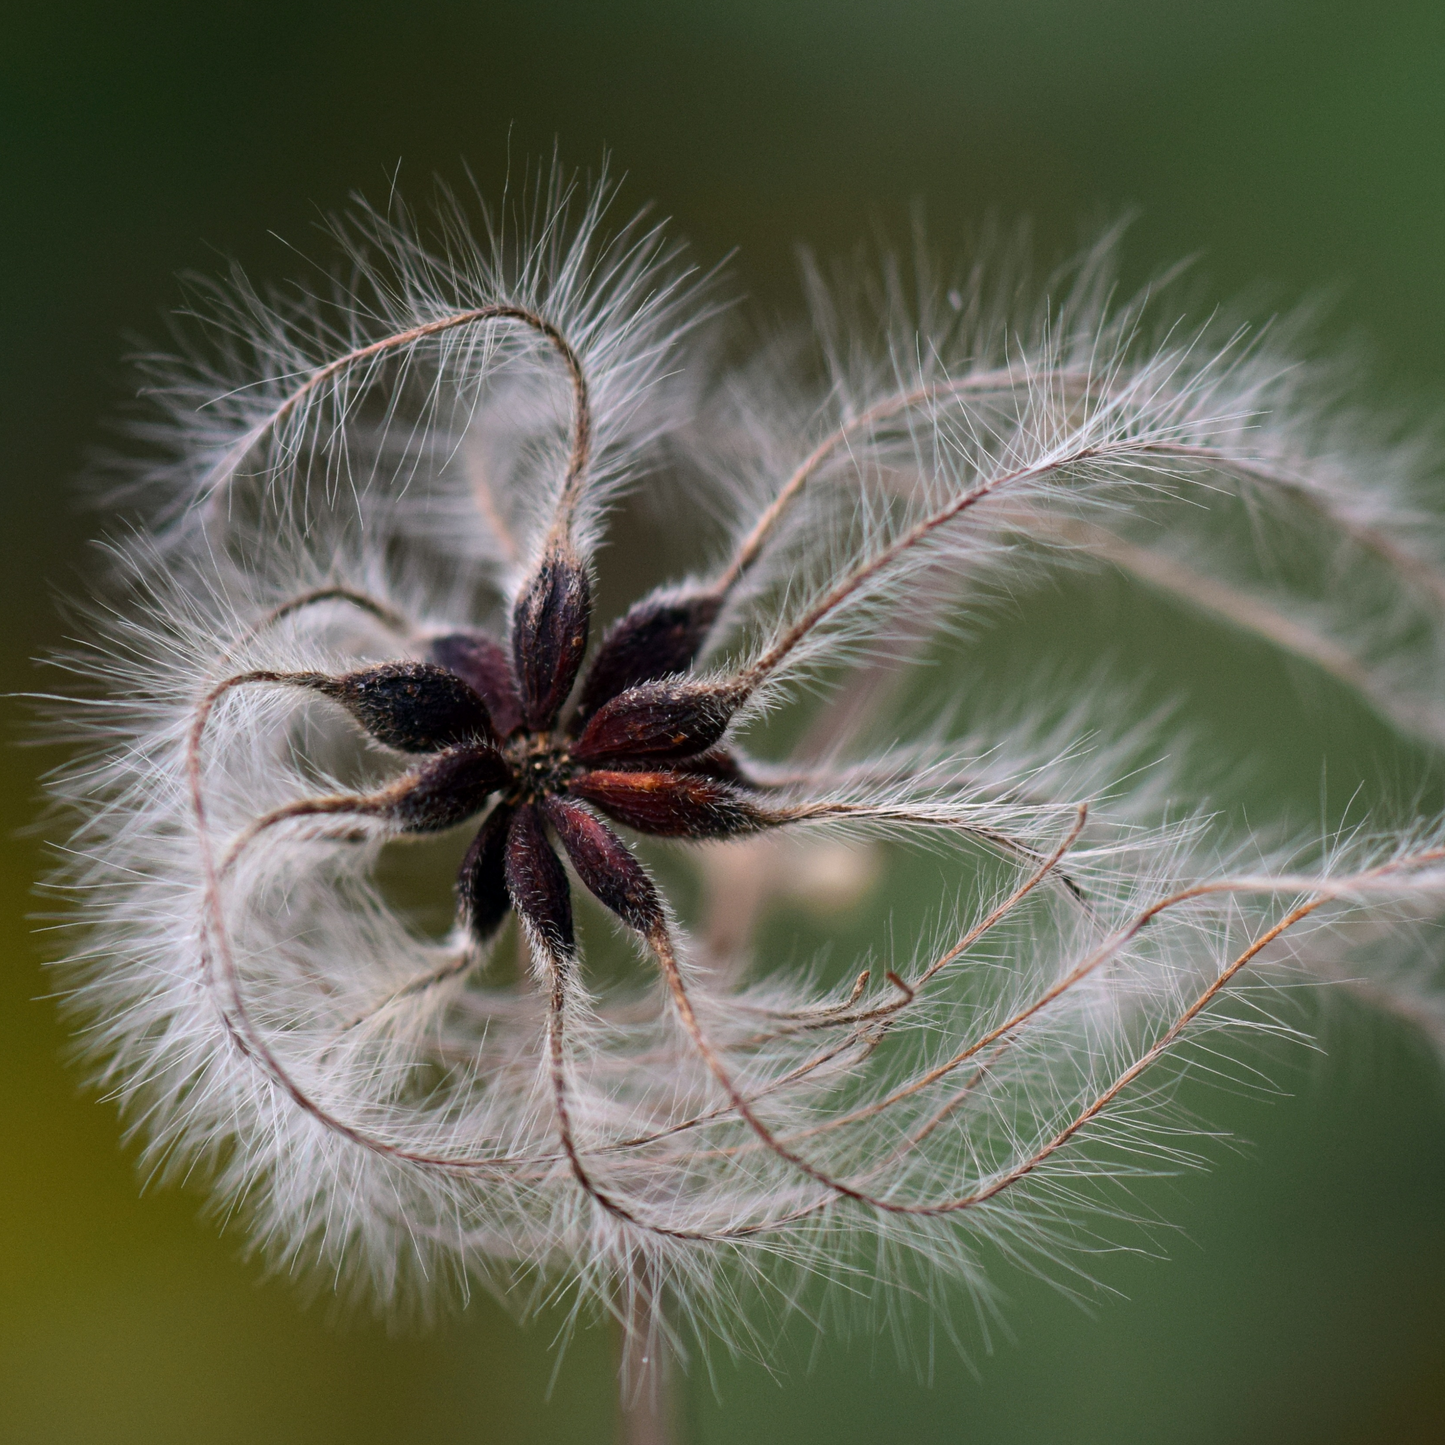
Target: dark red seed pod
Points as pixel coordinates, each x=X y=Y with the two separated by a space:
x=549 y=635
x=657 y=638
x=481 y=883
x=605 y=865
x=482 y=663
x=537 y=882
x=448 y=790
x=671 y=805
x=414 y=707
x=659 y=720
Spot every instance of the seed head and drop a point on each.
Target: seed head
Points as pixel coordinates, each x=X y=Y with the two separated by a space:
x=361 y=616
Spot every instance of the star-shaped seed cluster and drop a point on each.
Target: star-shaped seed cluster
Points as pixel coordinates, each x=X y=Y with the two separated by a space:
x=446 y=446
x=641 y=745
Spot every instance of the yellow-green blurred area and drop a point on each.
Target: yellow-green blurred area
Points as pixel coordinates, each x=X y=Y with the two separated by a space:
x=1297 y=1291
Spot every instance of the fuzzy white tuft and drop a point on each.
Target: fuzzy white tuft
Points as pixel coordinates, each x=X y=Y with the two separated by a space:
x=343 y=479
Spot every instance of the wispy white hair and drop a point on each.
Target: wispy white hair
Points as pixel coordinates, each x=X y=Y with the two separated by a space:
x=336 y=479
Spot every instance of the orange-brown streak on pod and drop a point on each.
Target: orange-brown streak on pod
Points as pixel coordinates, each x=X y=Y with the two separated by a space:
x=671 y=805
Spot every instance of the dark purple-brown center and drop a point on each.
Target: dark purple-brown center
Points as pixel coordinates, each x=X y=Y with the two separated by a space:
x=641 y=745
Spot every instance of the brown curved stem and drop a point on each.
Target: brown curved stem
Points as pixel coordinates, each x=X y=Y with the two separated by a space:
x=751 y=548
x=220 y=975
x=1262 y=471
x=1020 y=1171
x=756 y=672
x=354 y=805
x=386 y=615
x=1277 y=474
x=661 y=945
x=999 y=841
x=558 y=985
x=581 y=449
x=868 y=1024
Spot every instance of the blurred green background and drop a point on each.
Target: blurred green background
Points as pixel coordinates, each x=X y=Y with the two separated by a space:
x=1298 y=146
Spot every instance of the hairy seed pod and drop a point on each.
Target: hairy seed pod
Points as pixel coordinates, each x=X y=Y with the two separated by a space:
x=653 y=639
x=382 y=1107
x=606 y=866
x=669 y=804
x=549 y=634
x=537 y=882
x=481 y=883
x=482 y=663
x=414 y=707
x=448 y=790
x=659 y=720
